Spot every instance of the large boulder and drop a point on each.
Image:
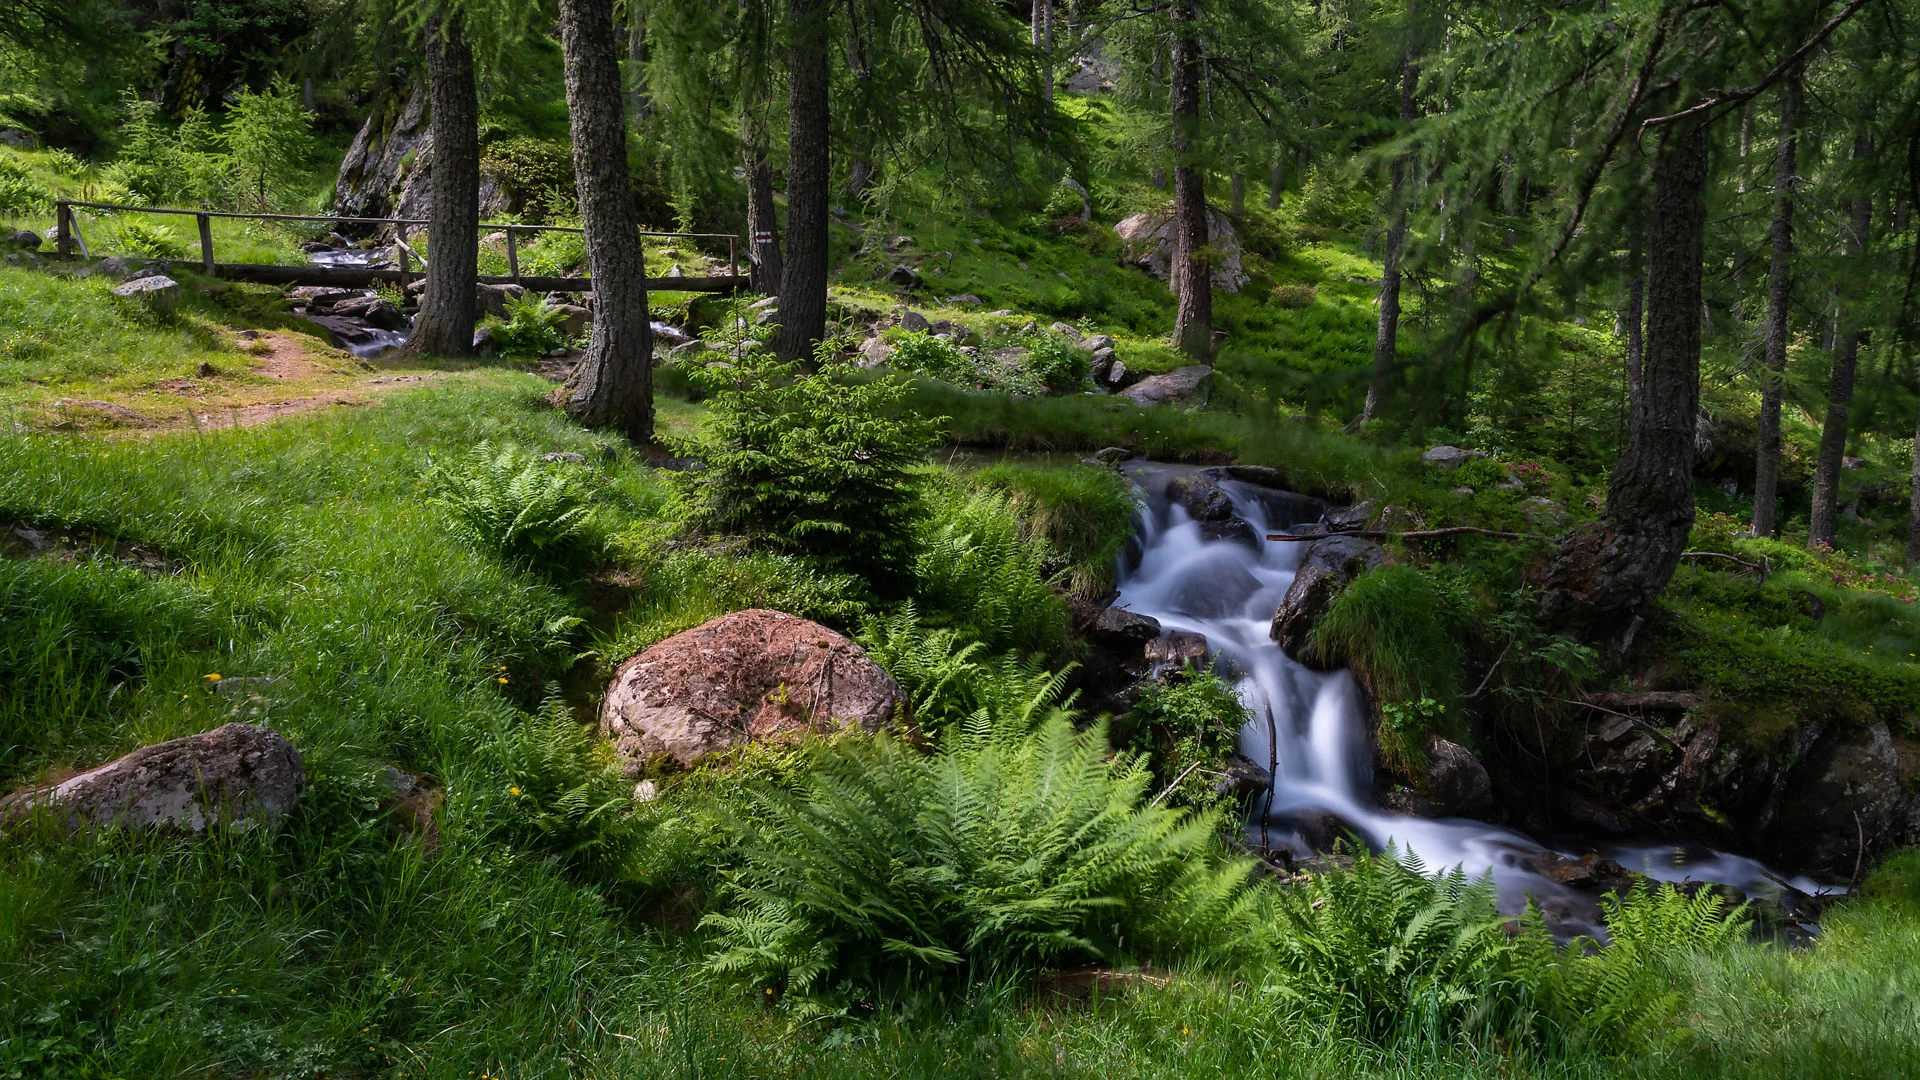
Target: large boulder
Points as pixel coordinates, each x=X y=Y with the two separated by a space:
x=1327 y=568
x=1449 y=458
x=236 y=776
x=1842 y=804
x=1148 y=240
x=385 y=172
x=749 y=676
x=1182 y=387
x=1199 y=494
x=1453 y=784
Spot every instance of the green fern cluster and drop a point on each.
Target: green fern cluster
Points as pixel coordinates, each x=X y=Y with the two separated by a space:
x=950 y=680
x=507 y=500
x=1009 y=850
x=979 y=570
x=565 y=797
x=530 y=329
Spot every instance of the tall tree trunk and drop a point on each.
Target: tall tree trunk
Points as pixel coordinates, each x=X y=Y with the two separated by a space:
x=1846 y=357
x=1239 y=190
x=445 y=326
x=1192 y=271
x=613 y=386
x=763 y=225
x=803 y=285
x=637 y=63
x=1766 y=476
x=1635 y=328
x=1606 y=574
x=1043 y=41
x=1278 y=179
x=1386 y=336
x=860 y=171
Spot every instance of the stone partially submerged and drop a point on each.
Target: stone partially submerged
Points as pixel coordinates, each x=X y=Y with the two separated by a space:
x=746 y=677
x=237 y=776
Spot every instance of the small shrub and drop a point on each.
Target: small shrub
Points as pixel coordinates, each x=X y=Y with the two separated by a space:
x=19 y=193
x=1057 y=363
x=1188 y=726
x=925 y=354
x=531 y=172
x=269 y=139
x=978 y=570
x=1007 y=852
x=555 y=254
x=817 y=464
x=565 y=797
x=508 y=501
x=948 y=680
x=148 y=241
x=530 y=329
x=1295 y=297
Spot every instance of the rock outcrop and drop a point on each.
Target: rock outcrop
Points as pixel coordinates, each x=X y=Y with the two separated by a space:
x=749 y=676
x=1148 y=239
x=1453 y=784
x=1183 y=387
x=236 y=776
x=1328 y=566
x=385 y=171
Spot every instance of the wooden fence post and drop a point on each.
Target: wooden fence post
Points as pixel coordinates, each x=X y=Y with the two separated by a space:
x=206 y=242
x=63 y=217
x=513 y=256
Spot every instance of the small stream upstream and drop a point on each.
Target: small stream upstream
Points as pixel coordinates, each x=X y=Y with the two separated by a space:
x=1310 y=728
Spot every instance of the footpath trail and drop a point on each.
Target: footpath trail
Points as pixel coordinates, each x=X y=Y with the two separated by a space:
x=285 y=374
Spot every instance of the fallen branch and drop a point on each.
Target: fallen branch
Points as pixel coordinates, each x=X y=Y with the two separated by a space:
x=1763 y=568
x=1415 y=534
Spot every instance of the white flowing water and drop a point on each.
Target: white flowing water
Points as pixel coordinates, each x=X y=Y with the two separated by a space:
x=1309 y=727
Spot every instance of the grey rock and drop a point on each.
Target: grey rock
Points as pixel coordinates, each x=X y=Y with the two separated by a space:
x=1148 y=241
x=1182 y=387
x=1449 y=458
x=374 y=311
x=1114 y=455
x=1068 y=331
x=1327 y=568
x=1200 y=495
x=905 y=277
x=1241 y=779
x=1096 y=343
x=19 y=140
x=158 y=294
x=492 y=299
x=1116 y=625
x=565 y=457
x=121 y=267
x=237 y=776
x=682 y=352
x=25 y=238
x=1178 y=649
x=913 y=322
x=874 y=352
x=1117 y=374
x=1846 y=796
x=385 y=171
x=1234 y=530
x=574 y=320
x=1100 y=365
x=767 y=303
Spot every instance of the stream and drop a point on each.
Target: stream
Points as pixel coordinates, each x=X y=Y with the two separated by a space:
x=1311 y=727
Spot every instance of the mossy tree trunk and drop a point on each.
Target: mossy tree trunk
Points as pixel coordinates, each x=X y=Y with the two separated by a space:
x=1386 y=335
x=763 y=223
x=803 y=284
x=1606 y=574
x=1192 y=270
x=613 y=386
x=1766 y=477
x=445 y=326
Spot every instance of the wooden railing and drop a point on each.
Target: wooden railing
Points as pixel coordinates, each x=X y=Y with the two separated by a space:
x=273 y=274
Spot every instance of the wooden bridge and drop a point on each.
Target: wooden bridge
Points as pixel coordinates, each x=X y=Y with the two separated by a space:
x=361 y=277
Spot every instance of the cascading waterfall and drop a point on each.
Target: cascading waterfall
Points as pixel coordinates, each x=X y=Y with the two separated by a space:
x=1310 y=728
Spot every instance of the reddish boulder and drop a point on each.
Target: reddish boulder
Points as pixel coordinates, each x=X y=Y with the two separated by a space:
x=745 y=677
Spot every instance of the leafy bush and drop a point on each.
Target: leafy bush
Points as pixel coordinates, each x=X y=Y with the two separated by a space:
x=947 y=681
x=554 y=254
x=1294 y=296
x=565 y=797
x=19 y=192
x=536 y=175
x=925 y=354
x=815 y=464
x=1383 y=951
x=1006 y=852
x=531 y=327
x=149 y=241
x=978 y=570
x=508 y=501
x=1058 y=364
x=162 y=164
x=1399 y=629
x=1188 y=726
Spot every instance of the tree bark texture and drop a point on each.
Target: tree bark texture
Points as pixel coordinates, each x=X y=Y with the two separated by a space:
x=1823 y=521
x=445 y=326
x=1386 y=336
x=803 y=285
x=1192 y=271
x=1766 y=476
x=1606 y=574
x=613 y=386
x=763 y=224
x=1634 y=328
